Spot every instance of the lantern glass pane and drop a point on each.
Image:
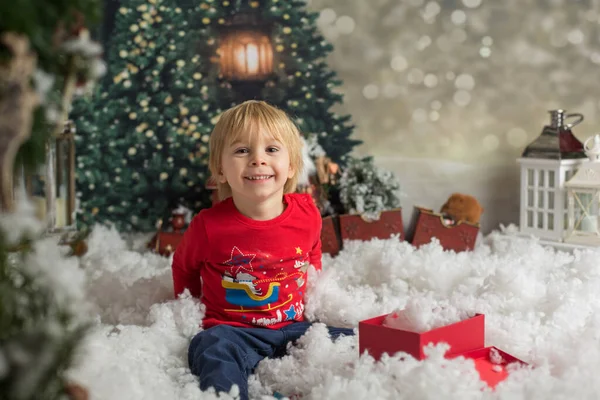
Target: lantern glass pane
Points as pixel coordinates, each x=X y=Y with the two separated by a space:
x=551 y=178
x=540 y=199
x=551 y=200
x=246 y=55
x=550 y=221
x=530 y=177
x=540 y=220
x=530 y=219
x=541 y=177
x=586 y=211
x=530 y=198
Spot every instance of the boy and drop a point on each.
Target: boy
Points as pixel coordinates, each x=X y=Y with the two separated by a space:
x=246 y=258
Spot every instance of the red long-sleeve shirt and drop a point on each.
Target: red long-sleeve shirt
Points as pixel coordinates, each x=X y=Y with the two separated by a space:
x=249 y=273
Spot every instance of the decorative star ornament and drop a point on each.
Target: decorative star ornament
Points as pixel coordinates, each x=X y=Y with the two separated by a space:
x=298 y=250
x=240 y=261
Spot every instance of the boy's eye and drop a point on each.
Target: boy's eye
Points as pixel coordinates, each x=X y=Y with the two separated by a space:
x=272 y=149
x=241 y=151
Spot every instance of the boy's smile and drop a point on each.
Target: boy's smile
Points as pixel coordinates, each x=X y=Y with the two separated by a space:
x=259 y=178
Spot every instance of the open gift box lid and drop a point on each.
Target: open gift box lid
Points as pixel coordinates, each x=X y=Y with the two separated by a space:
x=462 y=336
x=490 y=370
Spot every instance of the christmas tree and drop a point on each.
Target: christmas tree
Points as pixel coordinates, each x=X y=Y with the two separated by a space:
x=142 y=149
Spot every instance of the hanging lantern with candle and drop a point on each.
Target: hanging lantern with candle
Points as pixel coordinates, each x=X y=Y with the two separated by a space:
x=583 y=195
x=246 y=52
x=53 y=188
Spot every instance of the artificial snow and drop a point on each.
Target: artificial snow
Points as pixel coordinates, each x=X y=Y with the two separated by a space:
x=422 y=314
x=540 y=305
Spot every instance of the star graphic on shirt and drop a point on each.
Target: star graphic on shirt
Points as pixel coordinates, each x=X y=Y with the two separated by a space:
x=298 y=250
x=240 y=261
x=290 y=313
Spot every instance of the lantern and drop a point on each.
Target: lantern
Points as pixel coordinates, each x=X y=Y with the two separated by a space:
x=246 y=52
x=246 y=55
x=53 y=188
x=546 y=164
x=583 y=193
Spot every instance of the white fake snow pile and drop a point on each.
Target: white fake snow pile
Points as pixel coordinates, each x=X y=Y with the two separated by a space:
x=540 y=305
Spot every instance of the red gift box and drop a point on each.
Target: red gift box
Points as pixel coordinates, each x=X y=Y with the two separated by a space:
x=462 y=336
x=489 y=371
x=330 y=237
x=457 y=236
x=355 y=227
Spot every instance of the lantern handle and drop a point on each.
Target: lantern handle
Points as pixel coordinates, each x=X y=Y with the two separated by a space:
x=576 y=122
x=592 y=152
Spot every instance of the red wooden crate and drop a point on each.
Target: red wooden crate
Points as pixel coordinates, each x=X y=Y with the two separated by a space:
x=460 y=236
x=330 y=240
x=165 y=243
x=356 y=228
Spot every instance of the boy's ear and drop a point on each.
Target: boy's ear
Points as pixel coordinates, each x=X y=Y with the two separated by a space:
x=291 y=172
x=221 y=177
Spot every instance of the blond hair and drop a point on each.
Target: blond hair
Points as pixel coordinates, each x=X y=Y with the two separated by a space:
x=246 y=121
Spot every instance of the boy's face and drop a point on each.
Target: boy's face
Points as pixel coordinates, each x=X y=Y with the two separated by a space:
x=257 y=169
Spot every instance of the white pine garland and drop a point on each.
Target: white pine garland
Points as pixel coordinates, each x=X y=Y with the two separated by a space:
x=367 y=189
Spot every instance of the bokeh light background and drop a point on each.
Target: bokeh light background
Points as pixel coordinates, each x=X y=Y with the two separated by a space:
x=466 y=81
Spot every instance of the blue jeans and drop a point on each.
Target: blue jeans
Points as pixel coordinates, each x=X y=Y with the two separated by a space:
x=223 y=355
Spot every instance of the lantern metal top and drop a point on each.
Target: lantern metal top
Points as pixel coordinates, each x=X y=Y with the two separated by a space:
x=588 y=175
x=557 y=141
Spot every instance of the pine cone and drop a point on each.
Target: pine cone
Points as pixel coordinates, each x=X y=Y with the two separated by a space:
x=76 y=392
x=79 y=248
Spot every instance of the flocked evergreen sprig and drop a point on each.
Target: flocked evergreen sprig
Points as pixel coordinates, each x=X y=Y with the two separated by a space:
x=367 y=189
x=40 y=319
x=49 y=25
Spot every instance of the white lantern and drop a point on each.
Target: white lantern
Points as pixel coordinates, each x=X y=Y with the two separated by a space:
x=583 y=191
x=546 y=164
x=52 y=189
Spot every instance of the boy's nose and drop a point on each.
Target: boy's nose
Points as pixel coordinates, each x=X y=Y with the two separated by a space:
x=257 y=159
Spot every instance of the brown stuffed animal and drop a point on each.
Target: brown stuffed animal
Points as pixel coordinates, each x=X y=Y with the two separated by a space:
x=462 y=207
